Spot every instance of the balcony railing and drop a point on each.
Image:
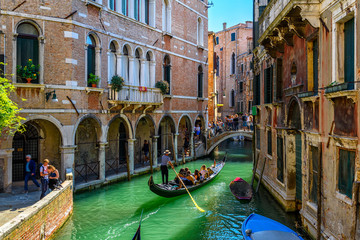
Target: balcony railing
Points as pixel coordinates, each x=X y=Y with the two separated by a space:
x=137 y=95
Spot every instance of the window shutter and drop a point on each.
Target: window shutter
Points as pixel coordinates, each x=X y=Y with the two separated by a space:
x=349 y=53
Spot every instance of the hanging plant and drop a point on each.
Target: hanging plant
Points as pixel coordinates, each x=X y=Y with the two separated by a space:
x=163 y=85
x=117 y=83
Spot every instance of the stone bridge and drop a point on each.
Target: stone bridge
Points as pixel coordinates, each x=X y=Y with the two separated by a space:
x=214 y=141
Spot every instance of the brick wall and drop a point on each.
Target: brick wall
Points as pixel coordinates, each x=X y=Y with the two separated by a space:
x=42 y=219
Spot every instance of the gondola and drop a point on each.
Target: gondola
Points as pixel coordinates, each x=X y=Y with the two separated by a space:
x=257 y=227
x=169 y=190
x=241 y=189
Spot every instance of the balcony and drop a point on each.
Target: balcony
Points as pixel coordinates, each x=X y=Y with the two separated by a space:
x=282 y=19
x=131 y=98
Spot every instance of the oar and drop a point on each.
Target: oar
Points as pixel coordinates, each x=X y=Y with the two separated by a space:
x=197 y=206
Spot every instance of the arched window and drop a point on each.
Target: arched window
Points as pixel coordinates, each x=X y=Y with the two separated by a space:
x=147 y=70
x=112 y=61
x=233 y=63
x=137 y=68
x=200 y=32
x=91 y=59
x=200 y=82
x=167 y=71
x=166 y=16
x=125 y=64
x=124 y=7
x=146 y=12
x=137 y=9
x=232 y=98
x=27 y=45
x=217 y=66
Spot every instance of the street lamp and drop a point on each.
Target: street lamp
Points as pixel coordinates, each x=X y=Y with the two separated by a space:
x=48 y=95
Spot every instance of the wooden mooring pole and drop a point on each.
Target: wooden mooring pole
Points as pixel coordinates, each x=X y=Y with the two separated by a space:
x=128 y=167
x=150 y=158
x=261 y=176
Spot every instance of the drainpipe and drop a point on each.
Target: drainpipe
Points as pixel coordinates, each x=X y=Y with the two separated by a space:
x=4 y=54
x=319 y=178
x=356 y=210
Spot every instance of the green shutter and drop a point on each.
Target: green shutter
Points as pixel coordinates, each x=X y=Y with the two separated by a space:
x=314 y=171
x=269 y=138
x=298 y=167
x=279 y=89
x=280 y=160
x=91 y=60
x=124 y=7
x=349 y=53
x=346 y=172
x=200 y=85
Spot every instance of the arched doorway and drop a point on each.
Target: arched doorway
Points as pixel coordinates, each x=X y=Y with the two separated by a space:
x=41 y=139
x=117 y=149
x=145 y=130
x=166 y=136
x=87 y=151
x=294 y=140
x=184 y=130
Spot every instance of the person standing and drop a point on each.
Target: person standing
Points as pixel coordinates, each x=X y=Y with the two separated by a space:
x=146 y=150
x=30 y=170
x=164 y=169
x=236 y=122
x=44 y=178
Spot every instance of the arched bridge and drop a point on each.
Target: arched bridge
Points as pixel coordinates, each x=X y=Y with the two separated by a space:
x=214 y=141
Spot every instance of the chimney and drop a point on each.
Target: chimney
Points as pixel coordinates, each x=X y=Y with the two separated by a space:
x=224 y=25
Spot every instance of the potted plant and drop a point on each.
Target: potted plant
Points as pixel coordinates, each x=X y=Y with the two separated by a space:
x=93 y=80
x=29 y=72
x=163 y=85
x=117 y=83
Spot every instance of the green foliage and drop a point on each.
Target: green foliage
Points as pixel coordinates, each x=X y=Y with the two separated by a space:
x=10 y=122
x=163 y=85
x=30 y=70
x=93 y=79
x=117 y=83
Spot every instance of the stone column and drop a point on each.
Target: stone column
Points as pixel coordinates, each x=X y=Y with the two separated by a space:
x=102 y=164
x=131 y=9
x=176 y=146
x=118 y=64
x=131 y=71
x=108 y=66
x=67 y=160
x=41 y=58
x=6 y=169
x=152 y=74
x=14 y=47
x=142 y=8
x=154 y=151
x=142 y=72
x=131 y=155
x=192 y=147
x=98 y=63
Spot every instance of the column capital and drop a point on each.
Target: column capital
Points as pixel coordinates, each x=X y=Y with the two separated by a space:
x=68 y=148
x=102 y=145
x=176 y=134
x=131 y=140
x=6 y=152
x=155 y=137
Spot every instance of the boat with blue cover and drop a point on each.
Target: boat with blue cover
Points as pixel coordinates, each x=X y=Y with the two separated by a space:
x=257 y=227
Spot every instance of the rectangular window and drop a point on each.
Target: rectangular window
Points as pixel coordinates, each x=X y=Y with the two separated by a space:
x=147 y=12
x=136 y=9
x=261 y=9
x=268 y=85
x=200 y=85
x=346 y=172
x=112 y=4
x=279 y=82
x=242 y=68
x=257 y=90
x=280 y=159
x=242 y=107
x=241 y=86
x=232 y=37
x=269 y=139
x=250 y=106
x=124 y=6
x=257 y=138
x=349 y=41
x=217 y=40
x=314 y=172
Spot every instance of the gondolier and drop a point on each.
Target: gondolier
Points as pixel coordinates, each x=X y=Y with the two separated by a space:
x=164 y=169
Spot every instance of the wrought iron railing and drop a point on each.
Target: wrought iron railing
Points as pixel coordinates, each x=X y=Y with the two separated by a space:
x=87 y=172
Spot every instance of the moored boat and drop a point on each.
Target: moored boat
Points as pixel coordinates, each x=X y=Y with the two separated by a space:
x=241 y=189
x=257 y=227
x=169 y=190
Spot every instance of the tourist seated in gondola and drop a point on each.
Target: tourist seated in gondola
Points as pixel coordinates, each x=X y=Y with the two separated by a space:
x=203 y=173
x=197 y=175
x=182 y=173
x=210 y=171
x=188 y=180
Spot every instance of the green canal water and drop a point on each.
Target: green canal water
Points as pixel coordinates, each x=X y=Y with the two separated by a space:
x=113 y=212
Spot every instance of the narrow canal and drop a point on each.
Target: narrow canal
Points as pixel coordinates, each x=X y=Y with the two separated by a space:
x=113 y=212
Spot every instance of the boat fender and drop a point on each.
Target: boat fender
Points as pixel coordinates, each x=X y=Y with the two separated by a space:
x=248 y=232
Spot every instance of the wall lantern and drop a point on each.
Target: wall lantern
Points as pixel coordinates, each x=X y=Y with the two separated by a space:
x=48 y=95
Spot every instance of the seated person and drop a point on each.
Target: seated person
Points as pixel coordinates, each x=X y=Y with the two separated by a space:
x=186 y=169
x=197 y=175
x=190 y=178
x=210 y=171
x=182 y=173
x=203 y=172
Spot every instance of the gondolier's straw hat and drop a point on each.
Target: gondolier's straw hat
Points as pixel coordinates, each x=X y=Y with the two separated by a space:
x=167 y=152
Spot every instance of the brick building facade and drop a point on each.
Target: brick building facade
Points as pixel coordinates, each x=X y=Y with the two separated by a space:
x=306 y=88
x=92 y=130
x=231 y=45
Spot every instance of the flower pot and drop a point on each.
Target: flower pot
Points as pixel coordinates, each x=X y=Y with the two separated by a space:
x=93 y=85
x=28 y=80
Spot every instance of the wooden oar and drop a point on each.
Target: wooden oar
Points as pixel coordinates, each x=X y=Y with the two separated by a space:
x=177 y=175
